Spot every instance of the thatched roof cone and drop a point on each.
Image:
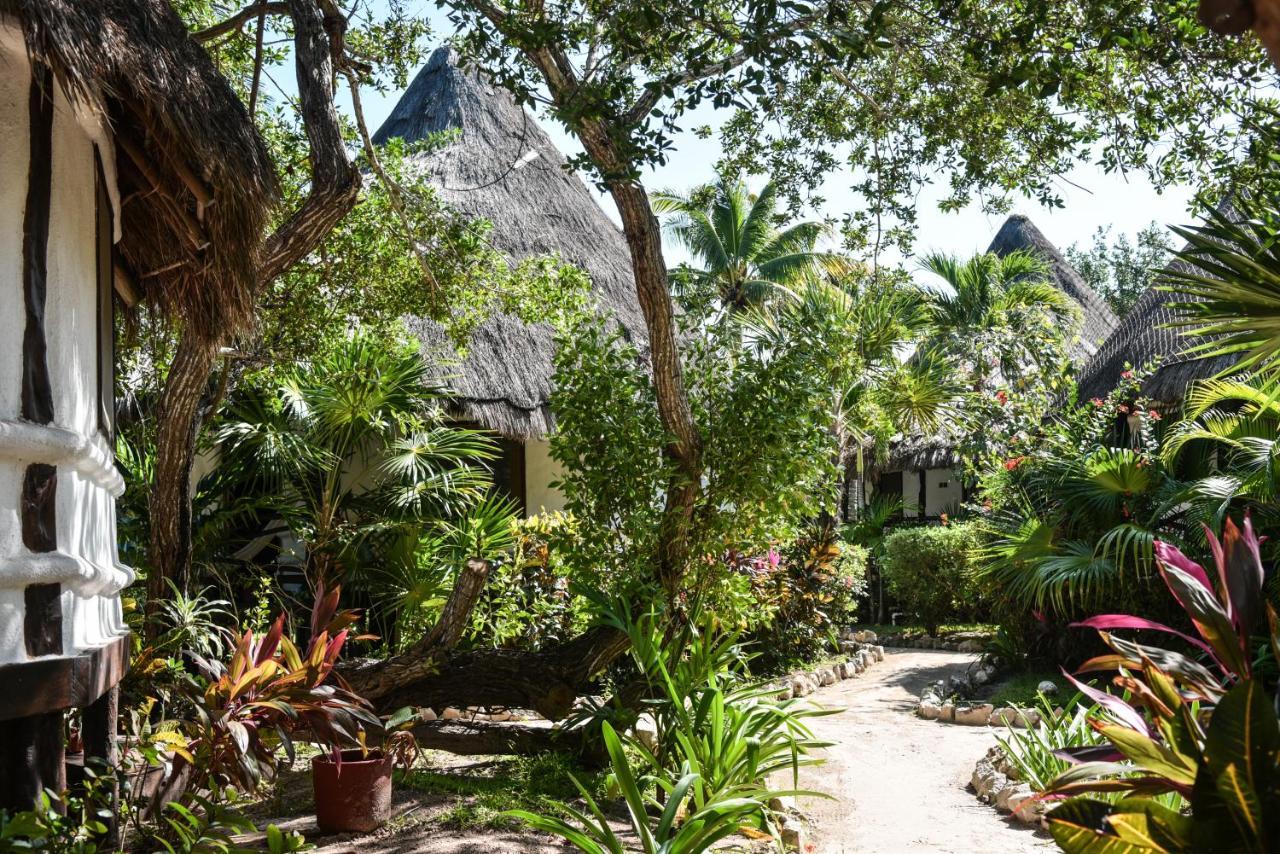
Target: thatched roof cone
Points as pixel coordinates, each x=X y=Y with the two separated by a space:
x=1142 y=337
x=505 y=169
x=134 y=63
x=1097 y=321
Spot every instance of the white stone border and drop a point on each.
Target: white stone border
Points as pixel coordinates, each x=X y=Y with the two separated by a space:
x=995 y=782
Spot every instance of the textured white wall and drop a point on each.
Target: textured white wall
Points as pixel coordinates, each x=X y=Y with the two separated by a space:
x=943 y=491
x=539 y=470
x=86 y=562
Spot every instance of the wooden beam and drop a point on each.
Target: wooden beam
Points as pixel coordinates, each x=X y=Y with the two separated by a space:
x=198 y=188
x=125 y=284
x=194 y=231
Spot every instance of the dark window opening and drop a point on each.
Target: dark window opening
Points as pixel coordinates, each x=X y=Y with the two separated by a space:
x=106 y=331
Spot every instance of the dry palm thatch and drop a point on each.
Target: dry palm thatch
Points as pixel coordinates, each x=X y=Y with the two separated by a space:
x=1144 y=336
x=196 y=182
x=505 y=169
x=1097 y=321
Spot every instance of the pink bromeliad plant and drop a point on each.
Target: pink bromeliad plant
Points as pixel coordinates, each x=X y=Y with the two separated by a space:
x=1199 y=723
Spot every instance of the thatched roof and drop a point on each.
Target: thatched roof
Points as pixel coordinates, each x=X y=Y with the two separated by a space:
x=919 y=451
x=505 y=169
x=1143 y=336
x=176 y=122
x=1097 y=321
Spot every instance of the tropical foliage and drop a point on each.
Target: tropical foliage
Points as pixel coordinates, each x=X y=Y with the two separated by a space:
x=1231 y=270
x=928 y=568
x=1197 y=721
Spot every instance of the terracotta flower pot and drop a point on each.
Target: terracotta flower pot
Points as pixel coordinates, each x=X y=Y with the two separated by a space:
x=354 y=796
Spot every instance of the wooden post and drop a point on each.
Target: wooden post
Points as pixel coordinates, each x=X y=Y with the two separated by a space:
x=98 y=730
x=32 y=759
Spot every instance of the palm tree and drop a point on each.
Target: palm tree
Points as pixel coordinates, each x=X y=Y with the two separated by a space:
x=1230 y=268
x=350 y=453
x=1000 y=308
x=745 y=258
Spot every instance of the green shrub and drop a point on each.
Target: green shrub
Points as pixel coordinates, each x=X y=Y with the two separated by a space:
x=929 y=570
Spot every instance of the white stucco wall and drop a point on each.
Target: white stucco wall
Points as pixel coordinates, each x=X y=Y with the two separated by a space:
x=943 y=491
x=86 y=562
x=539 y=471
x=911 y=494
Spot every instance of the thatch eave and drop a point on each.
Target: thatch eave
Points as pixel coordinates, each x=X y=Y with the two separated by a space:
x=196 y=179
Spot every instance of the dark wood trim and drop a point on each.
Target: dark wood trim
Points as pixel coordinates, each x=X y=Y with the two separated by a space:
x=61 y=682
x=39 y=507
x=922 y=499
x=42 y=619
x=37 y=390
x=104 y=238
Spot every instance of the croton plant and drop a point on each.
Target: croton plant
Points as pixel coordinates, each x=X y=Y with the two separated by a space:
x=1199 y=722
x=253 y=706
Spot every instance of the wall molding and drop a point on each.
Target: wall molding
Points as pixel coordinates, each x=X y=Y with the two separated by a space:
x=29 y=442
x=83 y=576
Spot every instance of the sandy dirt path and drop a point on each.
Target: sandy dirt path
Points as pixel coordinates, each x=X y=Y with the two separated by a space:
x=899 y=781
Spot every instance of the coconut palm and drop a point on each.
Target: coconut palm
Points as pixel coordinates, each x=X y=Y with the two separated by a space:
x=1002 y=309
x=744 y=256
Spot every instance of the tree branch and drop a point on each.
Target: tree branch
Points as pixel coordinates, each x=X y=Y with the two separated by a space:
x=335 y=181
x=653 y=92
x=237 y=21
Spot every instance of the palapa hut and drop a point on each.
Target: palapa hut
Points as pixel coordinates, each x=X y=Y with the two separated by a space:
x=505 y=169
x=1144 y=337
x=130 y=171
x=924 y=469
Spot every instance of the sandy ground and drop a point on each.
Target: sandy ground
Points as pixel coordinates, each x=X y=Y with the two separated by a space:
x=899 y=782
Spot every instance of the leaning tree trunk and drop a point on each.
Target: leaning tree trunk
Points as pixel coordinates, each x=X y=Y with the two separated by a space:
x=177 y=425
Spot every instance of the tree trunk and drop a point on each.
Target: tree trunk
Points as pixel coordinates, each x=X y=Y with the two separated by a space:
x=335 y=187
x=547 y=681
x=644 y=239
x=177 y=423
x=431 y=674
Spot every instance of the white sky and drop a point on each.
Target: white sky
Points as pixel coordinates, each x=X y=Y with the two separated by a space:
x=1092 y=198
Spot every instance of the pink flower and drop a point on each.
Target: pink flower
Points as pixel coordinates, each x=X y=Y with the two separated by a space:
x=1098 y=402
x=1002 y=397
x=774 y=558
x=1153 y=415
x=1122 y=408
x=1126 y=375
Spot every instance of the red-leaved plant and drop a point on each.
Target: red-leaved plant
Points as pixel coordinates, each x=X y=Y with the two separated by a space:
x=1196 y=723
x=254 y=705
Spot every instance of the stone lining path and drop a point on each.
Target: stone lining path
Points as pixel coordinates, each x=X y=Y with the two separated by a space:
x=899 y=782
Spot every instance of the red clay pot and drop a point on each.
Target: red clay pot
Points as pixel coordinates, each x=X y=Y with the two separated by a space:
x=354 y=796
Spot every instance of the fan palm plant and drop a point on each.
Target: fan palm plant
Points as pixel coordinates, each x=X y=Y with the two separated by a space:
x=745 y=258
x=350 y=454
x=1074 y=518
